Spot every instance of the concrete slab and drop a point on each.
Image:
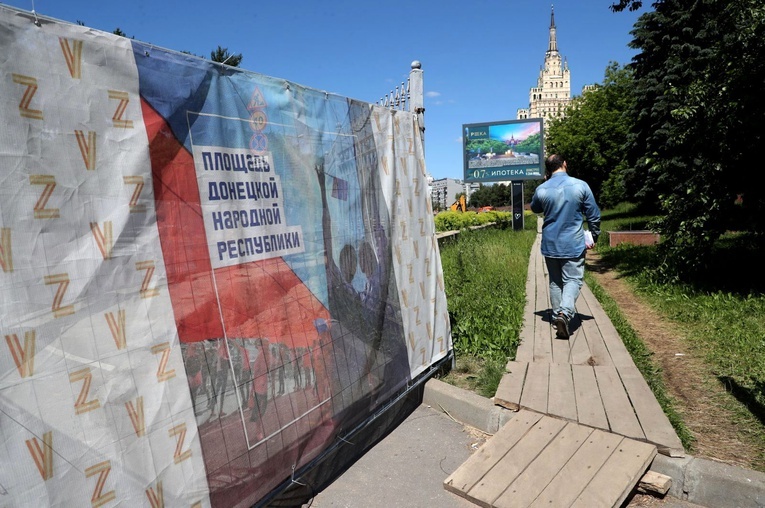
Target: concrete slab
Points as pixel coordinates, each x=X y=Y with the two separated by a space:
x=408 y=467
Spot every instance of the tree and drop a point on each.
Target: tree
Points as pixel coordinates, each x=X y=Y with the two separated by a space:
x=491 y=195
x=221 y=55
x=698 y=118
x=593 y=133
x=117 y=31
x=633 y=5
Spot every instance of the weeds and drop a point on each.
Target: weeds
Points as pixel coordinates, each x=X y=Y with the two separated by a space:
x=719 y=312
x=485 y=281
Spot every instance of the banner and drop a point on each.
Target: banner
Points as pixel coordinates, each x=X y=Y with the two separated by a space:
x=208 y=276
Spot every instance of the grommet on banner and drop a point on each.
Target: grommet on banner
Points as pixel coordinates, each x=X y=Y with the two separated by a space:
x=293 y=480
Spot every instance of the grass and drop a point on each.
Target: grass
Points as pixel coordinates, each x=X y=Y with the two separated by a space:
x=719 y=315
x=641 y=355
x=485 y=281
x=721 y=311
x=479 y=375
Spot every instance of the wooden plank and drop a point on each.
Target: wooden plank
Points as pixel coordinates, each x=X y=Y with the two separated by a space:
x=530 y=320
x=589 y=407
x=579 y=350
x=525 y=351
x=531 y=482
x=511 y=386
x=561 y=348
x=561 y=400
x=578 y=471
x=598 y=350
x=492 y=451
x=613 y=342
x=542 y=342
x=618 y=476
x=543 y=289
x=535 y=388
x=652 y=419
x=621 y=416
x=542 y=329
x=494 y=483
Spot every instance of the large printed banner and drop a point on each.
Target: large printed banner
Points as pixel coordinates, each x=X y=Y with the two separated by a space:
x=207 y=276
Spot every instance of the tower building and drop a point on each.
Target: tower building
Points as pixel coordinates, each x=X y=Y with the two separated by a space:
x=553 y=91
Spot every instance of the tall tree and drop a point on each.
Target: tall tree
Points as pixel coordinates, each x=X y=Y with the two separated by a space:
x=592 y=135
x=632 y=5
x=698 y=119
x=221 y=55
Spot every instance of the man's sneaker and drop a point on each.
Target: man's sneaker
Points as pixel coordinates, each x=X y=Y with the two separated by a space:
x=561 y=326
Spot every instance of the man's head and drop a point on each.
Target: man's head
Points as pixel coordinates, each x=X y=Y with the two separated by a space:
x=553 y=163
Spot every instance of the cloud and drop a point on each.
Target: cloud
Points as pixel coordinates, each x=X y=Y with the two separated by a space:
x=432 y=94
x=459 y=140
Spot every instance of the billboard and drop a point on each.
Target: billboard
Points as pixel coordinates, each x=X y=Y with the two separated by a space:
x=208 y=277
x=502 y=151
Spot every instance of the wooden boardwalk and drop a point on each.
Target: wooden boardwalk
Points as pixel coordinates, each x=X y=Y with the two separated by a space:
x=579 y=400
x=589 y=378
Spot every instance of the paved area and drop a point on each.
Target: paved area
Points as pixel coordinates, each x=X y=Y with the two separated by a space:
x=408 y=467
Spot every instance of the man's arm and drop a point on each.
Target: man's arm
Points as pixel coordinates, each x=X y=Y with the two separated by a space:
x=591 y=213
x=536 y=203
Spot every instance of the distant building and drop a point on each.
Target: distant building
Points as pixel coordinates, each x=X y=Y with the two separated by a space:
x=553 y=91
x=470 y=188
x=444 y=192
x=588 y=88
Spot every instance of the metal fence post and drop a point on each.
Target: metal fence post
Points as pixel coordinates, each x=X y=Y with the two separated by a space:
x=417 y=97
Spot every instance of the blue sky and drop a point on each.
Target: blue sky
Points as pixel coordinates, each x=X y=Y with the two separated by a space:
x=479 y=58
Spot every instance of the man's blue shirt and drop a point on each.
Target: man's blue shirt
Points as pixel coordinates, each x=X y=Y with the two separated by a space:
x=563 y=199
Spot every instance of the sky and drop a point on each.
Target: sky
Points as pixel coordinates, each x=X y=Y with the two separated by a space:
x=479 y=58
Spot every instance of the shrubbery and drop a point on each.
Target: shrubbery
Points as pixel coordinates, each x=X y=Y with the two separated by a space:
x=456 y=221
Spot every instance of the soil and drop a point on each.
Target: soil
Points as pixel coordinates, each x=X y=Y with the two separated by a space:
x=697 y=395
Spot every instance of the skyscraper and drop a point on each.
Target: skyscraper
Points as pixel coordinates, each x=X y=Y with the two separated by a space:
x=553 y=91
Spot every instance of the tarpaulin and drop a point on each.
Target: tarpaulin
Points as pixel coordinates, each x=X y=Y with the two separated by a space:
x=209 y=276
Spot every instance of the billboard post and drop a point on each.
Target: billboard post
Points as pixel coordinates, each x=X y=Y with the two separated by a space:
x=517 y=205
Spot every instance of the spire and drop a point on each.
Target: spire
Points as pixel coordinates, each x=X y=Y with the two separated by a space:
x=553 y=45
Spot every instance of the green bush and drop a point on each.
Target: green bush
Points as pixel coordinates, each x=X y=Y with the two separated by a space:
x=457 y=221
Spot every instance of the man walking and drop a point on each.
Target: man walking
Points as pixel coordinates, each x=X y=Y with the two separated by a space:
x=563 y=200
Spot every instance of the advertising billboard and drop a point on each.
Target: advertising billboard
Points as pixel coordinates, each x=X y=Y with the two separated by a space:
x=502 y=151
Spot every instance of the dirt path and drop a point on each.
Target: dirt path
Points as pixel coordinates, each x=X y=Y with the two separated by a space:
x=699 y=398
